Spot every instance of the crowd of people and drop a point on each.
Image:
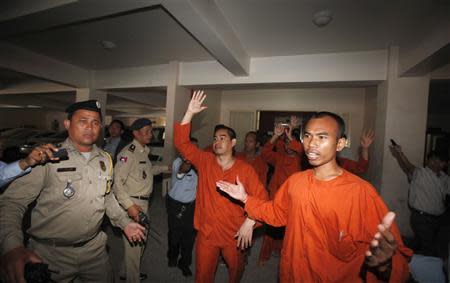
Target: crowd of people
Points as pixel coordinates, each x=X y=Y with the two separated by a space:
x=323 y=221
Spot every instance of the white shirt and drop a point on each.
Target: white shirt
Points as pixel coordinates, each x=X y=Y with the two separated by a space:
x=427 y=191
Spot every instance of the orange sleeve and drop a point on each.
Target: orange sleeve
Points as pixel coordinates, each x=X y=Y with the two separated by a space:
x=356 y=167
x=268 y=154
x=272 y=212
x=296 y=146
x=256 y=189
x=184 y=145
x=402 y=256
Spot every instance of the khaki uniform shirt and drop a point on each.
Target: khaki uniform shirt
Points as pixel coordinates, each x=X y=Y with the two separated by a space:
x=56 y=217
x=133 y=173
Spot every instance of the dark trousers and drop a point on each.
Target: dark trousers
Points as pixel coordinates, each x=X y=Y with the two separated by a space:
x=181 y=234
x=426 y=229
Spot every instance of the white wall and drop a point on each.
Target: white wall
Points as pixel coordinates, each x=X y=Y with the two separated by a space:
x=340 y=100
x=402 y=116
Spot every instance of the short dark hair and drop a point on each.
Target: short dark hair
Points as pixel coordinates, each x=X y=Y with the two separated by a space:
x=437 y=155
x=252 y=133
x=229 y=130
x=337 y=118
x=121 y=124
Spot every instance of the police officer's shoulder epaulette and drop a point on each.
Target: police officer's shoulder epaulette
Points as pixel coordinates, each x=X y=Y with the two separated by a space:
x=132 y=147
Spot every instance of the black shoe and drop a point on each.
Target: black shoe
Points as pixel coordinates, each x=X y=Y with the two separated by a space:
x=172 y=262
x=142 y=277
x=185 y=269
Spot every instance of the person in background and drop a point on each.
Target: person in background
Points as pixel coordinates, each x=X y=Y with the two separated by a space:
x=180 y=214
x=362 y=165
x=133 y=185
x=286 y=161
x=428 y=188
x=115 y=143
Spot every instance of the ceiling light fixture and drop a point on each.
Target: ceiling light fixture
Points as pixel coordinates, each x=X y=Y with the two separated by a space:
x=322 y=18
x=108 y=45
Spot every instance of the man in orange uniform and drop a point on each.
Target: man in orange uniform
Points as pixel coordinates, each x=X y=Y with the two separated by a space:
x=251 y=156
x=360 y=166
x=286 y=161
x=335 y=229
x=218 y=219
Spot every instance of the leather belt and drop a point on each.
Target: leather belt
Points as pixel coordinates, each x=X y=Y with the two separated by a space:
x=141 y=197
x=424 y=213
x=57 y=244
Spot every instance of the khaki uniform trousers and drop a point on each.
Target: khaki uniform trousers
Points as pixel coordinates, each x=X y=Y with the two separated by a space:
x=88 y=263
x=131 y=264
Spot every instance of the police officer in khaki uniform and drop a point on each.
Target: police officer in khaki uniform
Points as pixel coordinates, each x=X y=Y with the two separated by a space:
x=133 y=184
x=72 y=196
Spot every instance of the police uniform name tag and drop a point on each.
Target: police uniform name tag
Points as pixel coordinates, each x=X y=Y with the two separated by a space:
x=69 y=191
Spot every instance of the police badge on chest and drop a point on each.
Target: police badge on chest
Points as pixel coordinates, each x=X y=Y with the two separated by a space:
x=69 y=190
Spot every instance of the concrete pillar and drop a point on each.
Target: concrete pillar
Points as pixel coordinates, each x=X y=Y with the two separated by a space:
x=401 y=106
x=176 y=103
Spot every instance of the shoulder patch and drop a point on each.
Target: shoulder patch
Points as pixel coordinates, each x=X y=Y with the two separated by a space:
x=132 y=147
x=123 y=159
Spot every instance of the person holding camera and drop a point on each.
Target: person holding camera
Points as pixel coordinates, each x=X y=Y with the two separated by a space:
x=72 y=197
x=133 y=185
x=38 y=155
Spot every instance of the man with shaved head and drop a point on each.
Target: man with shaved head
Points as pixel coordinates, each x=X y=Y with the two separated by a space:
x=338 y=229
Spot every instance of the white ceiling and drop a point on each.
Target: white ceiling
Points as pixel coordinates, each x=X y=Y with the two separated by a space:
x=146 y=34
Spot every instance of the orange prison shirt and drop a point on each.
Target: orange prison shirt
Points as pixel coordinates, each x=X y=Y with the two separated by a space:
x=329 y=225
x=217 y=216
x=356 y=167
x=258 y=164
x=284 y=165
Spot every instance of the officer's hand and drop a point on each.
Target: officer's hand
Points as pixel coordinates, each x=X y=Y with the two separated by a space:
x=133 y=212
x=12 y=264
x=134 y=232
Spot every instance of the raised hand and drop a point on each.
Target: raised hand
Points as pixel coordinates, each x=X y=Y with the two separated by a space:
x=236 y=191
x=195 y=105
x=367 y=138
x=278 y=130
x=383 y=246
x=294 y=122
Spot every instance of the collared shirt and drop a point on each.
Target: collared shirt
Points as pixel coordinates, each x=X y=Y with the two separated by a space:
x=111 y=145
x=133 y=173
x=184 y=185
x=427 y=191
x=9 y=172
x=58 y=216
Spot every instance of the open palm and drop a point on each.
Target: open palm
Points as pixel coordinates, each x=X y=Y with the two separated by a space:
x=195 y=105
